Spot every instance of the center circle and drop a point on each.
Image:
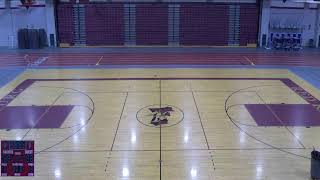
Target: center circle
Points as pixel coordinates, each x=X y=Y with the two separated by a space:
x=156 y=115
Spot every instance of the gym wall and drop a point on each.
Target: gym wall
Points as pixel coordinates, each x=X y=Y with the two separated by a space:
x=161 y=24
x=13 y=17
x=302 y=15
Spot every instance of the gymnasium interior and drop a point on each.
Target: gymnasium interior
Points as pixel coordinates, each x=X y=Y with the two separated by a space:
x=160 y=89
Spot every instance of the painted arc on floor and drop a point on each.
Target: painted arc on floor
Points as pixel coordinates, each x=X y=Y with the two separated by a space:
x=308 y=113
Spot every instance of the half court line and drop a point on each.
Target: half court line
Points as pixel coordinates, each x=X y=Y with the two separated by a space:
x=160 y=104
x=169 y=150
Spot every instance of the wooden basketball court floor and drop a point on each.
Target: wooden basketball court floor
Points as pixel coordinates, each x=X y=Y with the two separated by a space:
x=233 y=124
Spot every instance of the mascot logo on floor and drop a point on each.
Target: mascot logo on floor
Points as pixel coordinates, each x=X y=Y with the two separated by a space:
x=160 y=116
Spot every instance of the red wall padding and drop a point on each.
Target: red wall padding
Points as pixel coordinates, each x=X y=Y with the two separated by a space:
x=152 y=24
x=249 y=24
x=104 y=24
x=65 y=23
x=204 y=24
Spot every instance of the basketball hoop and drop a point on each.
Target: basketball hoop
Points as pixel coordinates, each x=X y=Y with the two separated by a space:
x=27 y=3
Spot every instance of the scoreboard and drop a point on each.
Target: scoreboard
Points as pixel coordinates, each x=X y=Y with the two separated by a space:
x=17 y=158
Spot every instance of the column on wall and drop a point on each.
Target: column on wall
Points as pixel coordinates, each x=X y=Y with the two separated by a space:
x=6 y=26
x=309 y=23
x=317 y=27
x=51 y=26
x=264 y=23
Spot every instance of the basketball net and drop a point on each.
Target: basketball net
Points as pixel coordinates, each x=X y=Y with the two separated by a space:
x=27 y=3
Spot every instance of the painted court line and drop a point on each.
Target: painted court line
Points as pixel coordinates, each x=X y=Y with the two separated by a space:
x=168 y=150
x=289 y=83
x=252 y=64
x=279 y=119
x=98 y=63
x=166 y=66
x=27 y=59
x=39 y=61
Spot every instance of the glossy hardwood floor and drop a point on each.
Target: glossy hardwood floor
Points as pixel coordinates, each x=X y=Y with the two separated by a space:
x=210 y=134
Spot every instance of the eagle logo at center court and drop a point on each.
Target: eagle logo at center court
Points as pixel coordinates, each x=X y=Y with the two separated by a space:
x=156 y=115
